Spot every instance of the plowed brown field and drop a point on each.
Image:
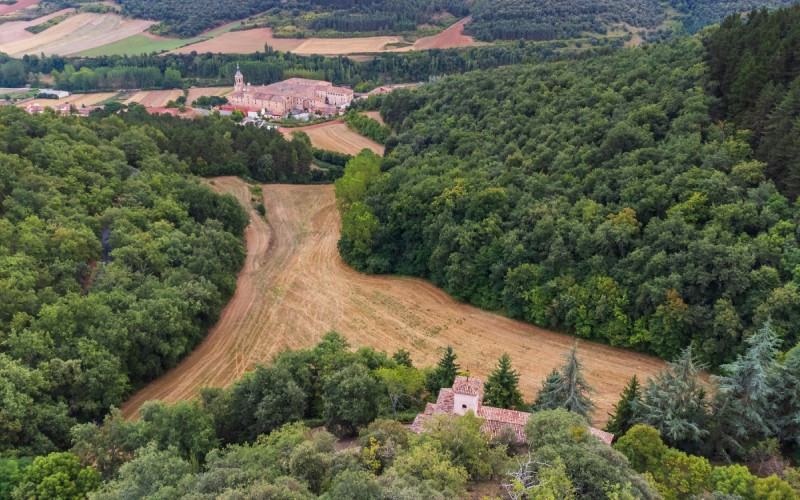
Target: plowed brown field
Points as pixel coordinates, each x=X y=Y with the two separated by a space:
x=451 y=37
x=294 y=287
x=335 y=136
x=21 y=4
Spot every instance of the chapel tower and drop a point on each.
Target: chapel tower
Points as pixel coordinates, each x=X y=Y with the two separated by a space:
x=238 y=80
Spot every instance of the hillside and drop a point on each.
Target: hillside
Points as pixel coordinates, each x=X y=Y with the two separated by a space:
x=596 y=196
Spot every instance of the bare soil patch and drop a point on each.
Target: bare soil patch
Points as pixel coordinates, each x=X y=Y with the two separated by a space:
x=344 y=46
x=335 y=136
x=77 y=33
x=294 y=287
x=451 y=37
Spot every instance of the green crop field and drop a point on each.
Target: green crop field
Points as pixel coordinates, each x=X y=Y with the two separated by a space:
x=143 y=44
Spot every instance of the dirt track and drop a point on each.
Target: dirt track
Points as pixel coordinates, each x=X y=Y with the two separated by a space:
x=294 y=287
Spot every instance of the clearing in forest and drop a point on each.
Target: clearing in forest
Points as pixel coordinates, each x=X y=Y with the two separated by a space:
x=76 y=34
x=335 y=136
x=451 y=37
x=294 y=287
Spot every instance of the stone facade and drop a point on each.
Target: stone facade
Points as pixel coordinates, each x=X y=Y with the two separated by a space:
x=467 y=395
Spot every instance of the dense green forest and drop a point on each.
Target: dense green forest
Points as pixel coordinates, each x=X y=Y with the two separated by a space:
x=255 y=439
x=755 y=72
x=216 y=145
x=596 y=196
x=186 y=19
x=554 y=19
x=113 y=266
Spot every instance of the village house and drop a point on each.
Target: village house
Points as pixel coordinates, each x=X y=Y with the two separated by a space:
x=467 y=395
x=295 y=95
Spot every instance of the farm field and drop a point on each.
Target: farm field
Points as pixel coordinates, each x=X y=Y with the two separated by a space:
x=294 y=287
x=146 y=43
x=76 y=100
x=335 y=136
x=451 y=37
x=143 y=43
x=21 y=4
x=76 y=34
x=253 y=40
x=241 y=42
x=15 y=30
x=154 y=98
x=196 y=92
x=375 y=115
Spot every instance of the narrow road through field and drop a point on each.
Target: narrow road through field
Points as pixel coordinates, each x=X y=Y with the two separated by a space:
x=294 y=287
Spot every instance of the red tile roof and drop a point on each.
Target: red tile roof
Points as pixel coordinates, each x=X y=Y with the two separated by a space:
x=495 y=419
x=468 y=386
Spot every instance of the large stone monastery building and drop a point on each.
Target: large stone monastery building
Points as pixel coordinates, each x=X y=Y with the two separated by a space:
x=296 y=95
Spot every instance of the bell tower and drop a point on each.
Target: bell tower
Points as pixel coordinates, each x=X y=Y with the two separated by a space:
x=238 y=80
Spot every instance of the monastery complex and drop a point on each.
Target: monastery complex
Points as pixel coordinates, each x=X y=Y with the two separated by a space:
x=295 y=95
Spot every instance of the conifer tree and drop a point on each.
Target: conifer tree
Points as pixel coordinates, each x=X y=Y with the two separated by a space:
x=625 y=411
x=745 y=395
x=576 y=389
x=551 y=395
x=787 y=384
x=502 y=387
x=675 y=403
x=445 y=372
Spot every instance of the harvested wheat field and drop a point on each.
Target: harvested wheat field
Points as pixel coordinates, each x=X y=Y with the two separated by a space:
x=335 y=136
x=15 y=30
x=241 y=42
x=344 y=46
x=154 y=98
x=77 y=33
x=375 y=115
x=19 y=5
x=294 y=287
x=451 y=37
x=76 y=100
x=196 y=92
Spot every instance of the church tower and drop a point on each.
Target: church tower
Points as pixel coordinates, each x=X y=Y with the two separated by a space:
x=238 y=80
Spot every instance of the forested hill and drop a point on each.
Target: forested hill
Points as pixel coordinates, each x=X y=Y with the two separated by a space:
x=594 y=196
x=755 y=70
x=189 y=18
x=557 y=19
x=113 y=265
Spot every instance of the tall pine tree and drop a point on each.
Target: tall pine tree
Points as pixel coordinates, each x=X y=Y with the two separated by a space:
x=787 y=413
x=675 y=403
x=551 y=395
x=626 y=409
x=445 y=372
x=745 y=396
x=576 y=389
x=502 y=387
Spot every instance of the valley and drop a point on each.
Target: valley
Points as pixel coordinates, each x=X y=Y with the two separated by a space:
x=294 y=287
